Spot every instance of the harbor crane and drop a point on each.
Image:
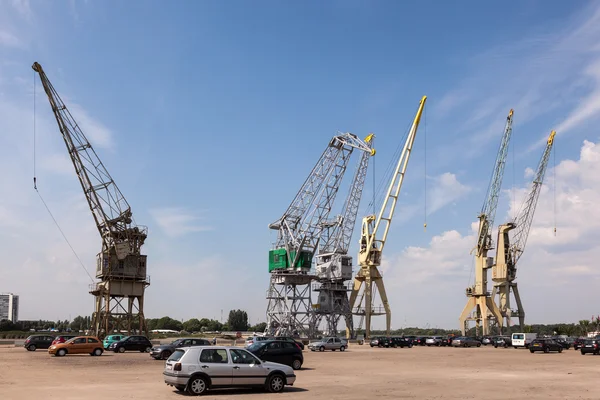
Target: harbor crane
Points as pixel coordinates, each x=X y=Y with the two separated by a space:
x=371 y=245
x=478 y=297
x=334 y=265
x=289 y=309
x=120 y=267
x=504 y=272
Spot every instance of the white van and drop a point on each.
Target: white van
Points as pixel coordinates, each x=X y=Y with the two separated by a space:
x=522 y=339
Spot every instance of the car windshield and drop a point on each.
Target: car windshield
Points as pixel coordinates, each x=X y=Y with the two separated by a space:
x=256 y=346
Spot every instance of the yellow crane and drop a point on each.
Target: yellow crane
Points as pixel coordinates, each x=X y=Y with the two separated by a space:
x=371 y=247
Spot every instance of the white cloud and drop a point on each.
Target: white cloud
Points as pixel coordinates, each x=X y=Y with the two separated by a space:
x=23 y=8
x=557 y=274
x=178 y=221
x=446 y=190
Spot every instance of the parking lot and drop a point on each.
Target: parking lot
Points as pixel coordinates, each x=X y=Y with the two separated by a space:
x=359 y=373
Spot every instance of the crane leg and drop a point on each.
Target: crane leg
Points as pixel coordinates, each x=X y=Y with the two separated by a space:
x=353 y=295
x=386 y=305
x=465 y=314
x=520 y=310
x=368 y=304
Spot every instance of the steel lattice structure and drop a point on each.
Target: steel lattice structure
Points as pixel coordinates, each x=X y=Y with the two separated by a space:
x=509 y=251
x=478 y=296
x=299 y=232
x=121 y=267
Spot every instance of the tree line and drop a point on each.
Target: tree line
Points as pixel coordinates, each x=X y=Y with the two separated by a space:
x=237 y=321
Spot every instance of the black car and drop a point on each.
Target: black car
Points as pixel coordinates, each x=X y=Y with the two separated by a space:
x=578 y=343
x=163 y=351
x=289 y=339
x=400 y=342
x=590 y=346
x=447 y=341
x=380 y=341
x=132 y=343
x=419 y=340
x=566 y=345
x=278 y=351
x=502 y=341
x=545 y=345
x=34 y=342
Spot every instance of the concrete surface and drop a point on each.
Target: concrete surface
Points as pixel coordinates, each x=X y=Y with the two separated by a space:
x=359 y=373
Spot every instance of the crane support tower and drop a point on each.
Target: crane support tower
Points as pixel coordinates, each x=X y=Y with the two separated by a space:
x=504 y=272
x=334 y=265
x=478 y=297
x=289 y=309
x=120 y=267
x=371 y=247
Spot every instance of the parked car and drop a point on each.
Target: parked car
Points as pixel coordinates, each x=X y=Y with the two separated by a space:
x=329 y=343
x=254 y=339
x=223 y=367
x=288 y=339
x=577 y=344
x=433 y=341
x=486 y=340
x=110 y=339
x=78 y=345
x=164 y=351
x=34 y=342
x=132 y=343
x=278 y=351
x=522 y=339
x=502 y=341
x=419 y=341
x=379 y=341
x=465 y=341
x=590 y=346
x=563 y=342
x=545 y=345
x=62 y=338
x=447 y=341
x=400 y=342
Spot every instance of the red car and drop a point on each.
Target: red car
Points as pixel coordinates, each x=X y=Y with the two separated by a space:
x=62 y=338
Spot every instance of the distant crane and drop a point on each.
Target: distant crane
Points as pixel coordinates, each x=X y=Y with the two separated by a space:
x=371 y=247
x=289 y=309
x=504 y=272
x=478 y=295
x=120 y=266
x=334 y=266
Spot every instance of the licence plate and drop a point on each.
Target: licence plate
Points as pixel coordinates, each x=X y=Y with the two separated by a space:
x=536 y=345
x=588 y=345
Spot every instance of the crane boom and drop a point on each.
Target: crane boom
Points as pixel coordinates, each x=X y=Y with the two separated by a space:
x=109 y=207
x=387 y=208
x=488 y=211
x=338 y=240
x=524 y=218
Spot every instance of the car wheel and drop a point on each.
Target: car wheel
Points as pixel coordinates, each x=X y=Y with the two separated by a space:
x=546 y=350
x=531 y=351
x=465 y=345
x=560 y=350
x=410 y=346
x=275 y=383
x=344 y=348
x=197 y=386
x=478 y=344
x=61 y=352
x=148 y=349
x=164 y=355
x=297 y=363
x=321 y=348
x=495 y=346
x=97 y=352
x=32 y=347
x=582 y=353
x=121 y=349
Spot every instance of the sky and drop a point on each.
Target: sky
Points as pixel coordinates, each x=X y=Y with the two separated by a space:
x=209 y=116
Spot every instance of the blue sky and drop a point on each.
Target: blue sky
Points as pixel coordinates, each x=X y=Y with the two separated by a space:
x=209 y=115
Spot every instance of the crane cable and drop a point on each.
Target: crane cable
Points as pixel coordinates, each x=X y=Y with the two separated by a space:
x=37 y=190
x=425 y=174
x=554 y=184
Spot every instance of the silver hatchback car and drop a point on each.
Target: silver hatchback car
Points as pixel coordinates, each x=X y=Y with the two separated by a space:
x=198 y=369
x=329 y=343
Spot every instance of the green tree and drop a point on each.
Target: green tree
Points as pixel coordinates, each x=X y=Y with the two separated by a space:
x=213 y=326
x=238 y=320
x=169 y=323
x=260 y=327
x=7 y=325
x=192 y=325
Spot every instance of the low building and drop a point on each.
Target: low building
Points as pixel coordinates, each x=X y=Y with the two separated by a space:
x=9 y=307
